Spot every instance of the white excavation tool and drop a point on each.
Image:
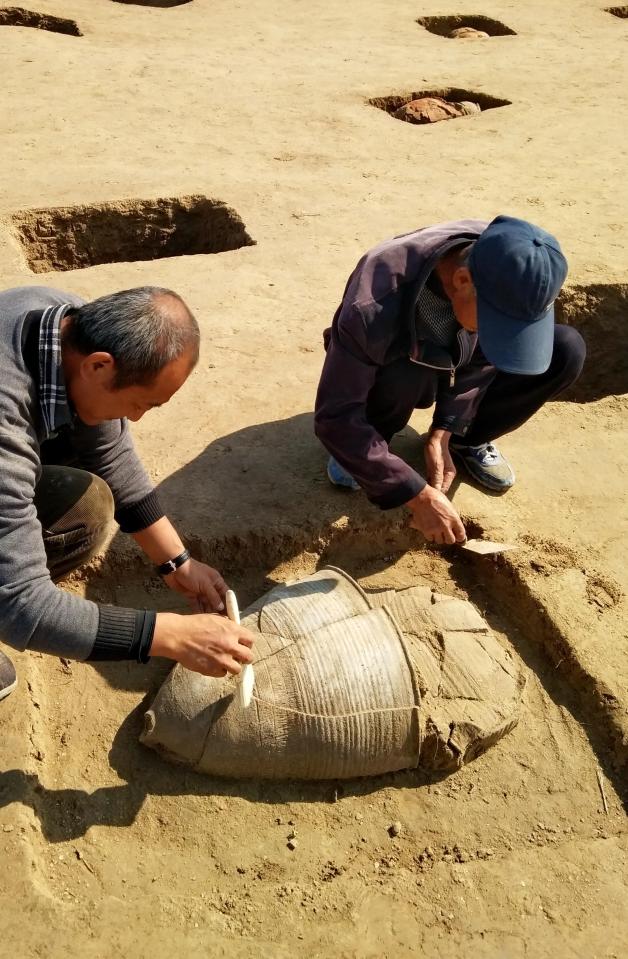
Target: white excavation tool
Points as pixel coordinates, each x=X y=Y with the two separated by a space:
x=244 y=689
x=484 y=547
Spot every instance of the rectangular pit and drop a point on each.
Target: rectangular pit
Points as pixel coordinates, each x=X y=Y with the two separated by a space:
x=599 y=313
x=154 y=3
x=389 y=104
x=442 y=26
x=75 y=237
x=19 y=17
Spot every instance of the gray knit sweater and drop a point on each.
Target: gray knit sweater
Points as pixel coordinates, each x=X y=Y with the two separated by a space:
x=34 y=613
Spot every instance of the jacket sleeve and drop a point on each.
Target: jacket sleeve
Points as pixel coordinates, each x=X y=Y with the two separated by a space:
x=34 y=613
x=457 y=405
x=108 y=451
x=340 y=418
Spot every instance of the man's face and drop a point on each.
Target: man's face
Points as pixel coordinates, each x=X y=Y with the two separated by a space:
x=95 y=398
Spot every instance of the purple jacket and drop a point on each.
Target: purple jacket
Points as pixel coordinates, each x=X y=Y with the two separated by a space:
x=373 y=326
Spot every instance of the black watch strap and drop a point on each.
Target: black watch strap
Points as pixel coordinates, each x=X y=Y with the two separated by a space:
x=173 y=564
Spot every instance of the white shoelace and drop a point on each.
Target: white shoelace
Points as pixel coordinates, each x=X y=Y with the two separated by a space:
x=488 y=453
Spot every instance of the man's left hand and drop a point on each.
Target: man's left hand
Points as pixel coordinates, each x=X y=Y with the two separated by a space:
x=202 y=586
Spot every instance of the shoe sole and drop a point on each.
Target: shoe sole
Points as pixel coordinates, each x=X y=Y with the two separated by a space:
x=7 y=689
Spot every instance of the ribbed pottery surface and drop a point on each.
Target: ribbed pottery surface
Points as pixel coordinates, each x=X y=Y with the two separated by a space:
x=339 y=682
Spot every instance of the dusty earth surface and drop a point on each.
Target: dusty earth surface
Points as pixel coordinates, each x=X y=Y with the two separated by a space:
x=273 y=110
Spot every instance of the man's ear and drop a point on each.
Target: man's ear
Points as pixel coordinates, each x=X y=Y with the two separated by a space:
x=98 y=368
x=462 y=282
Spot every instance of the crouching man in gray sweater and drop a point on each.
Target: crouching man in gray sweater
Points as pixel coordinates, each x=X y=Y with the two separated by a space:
x=71 y=376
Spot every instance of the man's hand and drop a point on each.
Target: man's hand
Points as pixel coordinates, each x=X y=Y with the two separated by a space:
x=434 y=516
x=202 y=586
x=204 y=643
x=440 y=466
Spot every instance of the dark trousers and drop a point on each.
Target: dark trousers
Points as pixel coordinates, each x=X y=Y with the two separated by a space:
x=75 y=509
x=509 y=401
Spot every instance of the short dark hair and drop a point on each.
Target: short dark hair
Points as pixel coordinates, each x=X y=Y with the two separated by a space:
x=144 y=329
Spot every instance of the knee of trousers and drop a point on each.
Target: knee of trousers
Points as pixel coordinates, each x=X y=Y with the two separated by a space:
x=98 y=508
x=569 y=353
x=91 y=511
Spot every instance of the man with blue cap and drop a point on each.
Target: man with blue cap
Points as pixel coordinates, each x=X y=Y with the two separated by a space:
x=459 y=316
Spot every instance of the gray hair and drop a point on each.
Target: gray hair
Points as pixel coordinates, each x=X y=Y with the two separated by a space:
x=144 y=329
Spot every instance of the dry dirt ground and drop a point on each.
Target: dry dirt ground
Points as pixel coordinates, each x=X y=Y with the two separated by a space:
x=265 y=108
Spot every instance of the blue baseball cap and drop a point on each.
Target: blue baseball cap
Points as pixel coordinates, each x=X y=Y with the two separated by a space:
x=518 y=271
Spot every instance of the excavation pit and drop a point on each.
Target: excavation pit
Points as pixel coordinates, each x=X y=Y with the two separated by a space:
x=19 y=17
x=390 y=104
x=94 y=788
x=443 y=26
x=75 y=237
x=599 y=313
x=154 y=3
x=379 y=560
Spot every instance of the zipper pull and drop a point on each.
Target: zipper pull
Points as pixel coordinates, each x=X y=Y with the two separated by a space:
x=452 y=376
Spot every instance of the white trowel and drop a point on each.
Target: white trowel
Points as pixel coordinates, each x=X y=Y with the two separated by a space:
x=485 y=547
x=244 y=689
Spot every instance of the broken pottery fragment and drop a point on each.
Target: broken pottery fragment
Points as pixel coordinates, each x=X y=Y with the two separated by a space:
x=468 y=33
x=346 y=684
x=433 y=109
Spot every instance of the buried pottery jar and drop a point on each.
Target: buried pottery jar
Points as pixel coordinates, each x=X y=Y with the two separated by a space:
x=347 y=684
x=468 y=33
x=433 y=109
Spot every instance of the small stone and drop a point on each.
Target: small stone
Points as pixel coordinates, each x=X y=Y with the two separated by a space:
x=7 y=829
x=292 y=834
x=395 y=829
x=292 y=844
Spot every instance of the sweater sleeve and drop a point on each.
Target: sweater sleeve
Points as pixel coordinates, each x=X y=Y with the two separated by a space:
x=341 y=424
x=34 y=613
x=108 y=451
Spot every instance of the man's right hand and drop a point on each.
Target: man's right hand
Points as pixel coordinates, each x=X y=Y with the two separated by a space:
x=203 y=642
x=434 y=516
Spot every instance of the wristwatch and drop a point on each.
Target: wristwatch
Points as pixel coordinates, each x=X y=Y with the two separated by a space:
x=171 y=565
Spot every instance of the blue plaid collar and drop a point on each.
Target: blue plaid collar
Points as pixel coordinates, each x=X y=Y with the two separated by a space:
x=53 y=399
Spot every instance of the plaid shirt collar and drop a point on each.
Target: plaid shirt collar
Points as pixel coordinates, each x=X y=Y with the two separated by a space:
x=53 y=399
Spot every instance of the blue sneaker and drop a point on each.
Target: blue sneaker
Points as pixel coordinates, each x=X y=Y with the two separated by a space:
x=339 y=477
x=486 y=465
